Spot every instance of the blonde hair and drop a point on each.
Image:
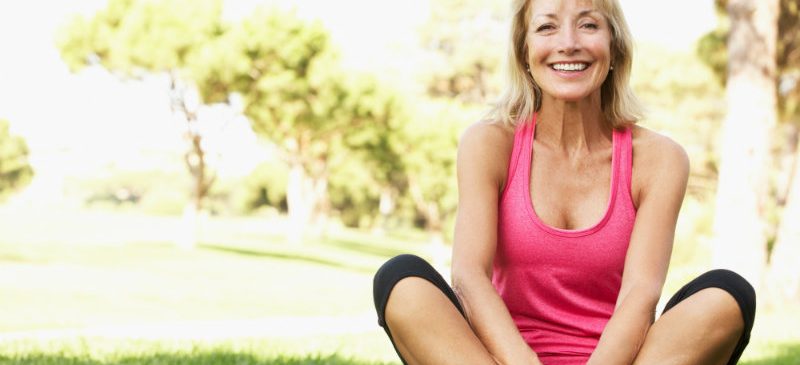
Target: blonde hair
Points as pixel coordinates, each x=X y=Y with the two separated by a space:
x=523 y=97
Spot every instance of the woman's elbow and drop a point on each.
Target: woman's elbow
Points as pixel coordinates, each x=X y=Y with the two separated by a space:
x=464 y=274
x=644 y=296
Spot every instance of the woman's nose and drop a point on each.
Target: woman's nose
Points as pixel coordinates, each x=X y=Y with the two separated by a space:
x=568 y=41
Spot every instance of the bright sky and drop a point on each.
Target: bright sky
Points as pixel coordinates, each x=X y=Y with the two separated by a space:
x=81 y=122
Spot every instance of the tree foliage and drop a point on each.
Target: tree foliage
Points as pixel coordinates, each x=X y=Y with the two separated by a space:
x=15 y=171
x=287 y=73
x=428 y=145
x=684 y=100
x=131 y=37
x=461 y=39
x=348 y=141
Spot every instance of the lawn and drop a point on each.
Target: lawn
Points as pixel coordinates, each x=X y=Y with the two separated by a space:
x=126 y=295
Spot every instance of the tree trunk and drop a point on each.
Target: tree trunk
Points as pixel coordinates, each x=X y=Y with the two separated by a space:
x=386 y=206
x=433 y=225
x=739 y=225
x=305 y=196
x=783 y=277
x=439 y=253
x=195 y=160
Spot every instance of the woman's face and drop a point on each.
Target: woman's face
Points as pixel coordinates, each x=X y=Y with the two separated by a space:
x=568 y=48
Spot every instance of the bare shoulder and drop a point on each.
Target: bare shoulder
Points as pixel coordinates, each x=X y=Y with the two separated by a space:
x=657 y=160
x=485 y=147
x=489 y=135
x=658 y=150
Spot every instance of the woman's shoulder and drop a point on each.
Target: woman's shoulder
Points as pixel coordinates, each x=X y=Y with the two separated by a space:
x=657 y=158
x=488 y=134
x=652 y=146
x=486 y=146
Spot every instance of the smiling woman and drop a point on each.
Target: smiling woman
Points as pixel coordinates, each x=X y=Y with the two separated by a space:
x=566 y=219
x=555 y=59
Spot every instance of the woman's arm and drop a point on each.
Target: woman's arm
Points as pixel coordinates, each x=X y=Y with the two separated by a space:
x=663 y=187
x=483 y=156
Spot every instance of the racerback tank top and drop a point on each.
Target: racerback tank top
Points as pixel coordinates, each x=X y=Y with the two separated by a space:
x=560 y=285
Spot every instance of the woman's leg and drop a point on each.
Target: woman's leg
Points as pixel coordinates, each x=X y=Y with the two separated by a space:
x=708 y=321
x=422 y=316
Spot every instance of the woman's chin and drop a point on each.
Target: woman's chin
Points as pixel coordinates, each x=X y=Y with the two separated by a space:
x=572 y=93
x=570 y=97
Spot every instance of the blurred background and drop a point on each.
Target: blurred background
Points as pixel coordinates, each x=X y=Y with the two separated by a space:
x=215 y=182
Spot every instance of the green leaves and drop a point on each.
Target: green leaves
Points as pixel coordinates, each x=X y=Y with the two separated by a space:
x=15 y=172
x=129 y=36
x=362 y=136
x=463 y=55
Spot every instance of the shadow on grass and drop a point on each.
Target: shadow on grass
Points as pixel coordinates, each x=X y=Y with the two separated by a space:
x=785 y=354
x=295 y=256
x=371 y=249
x=211 y=358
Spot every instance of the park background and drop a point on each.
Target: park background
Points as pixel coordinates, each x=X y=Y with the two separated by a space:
x=215 y=182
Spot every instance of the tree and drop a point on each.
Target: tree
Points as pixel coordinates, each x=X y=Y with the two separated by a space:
x=462 y=41
x=136 y=38
x=285 y=70
x=783 y=276
x=428 y=143
x=713 y=49
x=15 y=172
x=383 y=182
x=739 y=226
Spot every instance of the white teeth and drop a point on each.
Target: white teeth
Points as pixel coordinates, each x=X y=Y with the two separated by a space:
x=570 y=66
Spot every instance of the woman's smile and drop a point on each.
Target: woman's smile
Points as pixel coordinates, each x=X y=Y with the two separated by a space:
x=571 y=70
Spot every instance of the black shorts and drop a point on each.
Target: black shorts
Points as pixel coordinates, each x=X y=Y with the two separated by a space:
x=403 y=266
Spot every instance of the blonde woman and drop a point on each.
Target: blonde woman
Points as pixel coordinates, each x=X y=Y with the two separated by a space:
x=566 y=219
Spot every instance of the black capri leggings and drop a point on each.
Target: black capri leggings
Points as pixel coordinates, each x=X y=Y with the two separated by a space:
x=403 y=266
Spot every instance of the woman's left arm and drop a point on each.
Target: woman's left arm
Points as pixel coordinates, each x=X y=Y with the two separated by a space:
x=663 y=187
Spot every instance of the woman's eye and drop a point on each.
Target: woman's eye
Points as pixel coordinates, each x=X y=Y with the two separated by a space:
x=545 y=27
x=590 y=26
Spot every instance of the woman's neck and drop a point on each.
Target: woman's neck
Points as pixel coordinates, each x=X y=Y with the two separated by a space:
x=575 y=128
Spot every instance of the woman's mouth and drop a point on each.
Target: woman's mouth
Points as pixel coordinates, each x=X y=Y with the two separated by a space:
x=570 y=66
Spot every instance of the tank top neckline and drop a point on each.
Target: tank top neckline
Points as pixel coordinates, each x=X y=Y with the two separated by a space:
x=529 y=134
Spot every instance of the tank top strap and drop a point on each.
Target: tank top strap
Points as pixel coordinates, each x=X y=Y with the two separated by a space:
x=522 y=143
x=624 y=149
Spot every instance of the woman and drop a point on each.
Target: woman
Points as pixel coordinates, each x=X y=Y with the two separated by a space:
x=566 y=218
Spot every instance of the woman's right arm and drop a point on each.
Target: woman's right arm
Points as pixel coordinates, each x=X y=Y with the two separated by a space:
x=483 y=155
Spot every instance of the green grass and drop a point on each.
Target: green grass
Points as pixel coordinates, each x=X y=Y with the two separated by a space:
x=220 y=358
x=93 y=286
x=333 y=350
x=773 y=354
x=66 y=285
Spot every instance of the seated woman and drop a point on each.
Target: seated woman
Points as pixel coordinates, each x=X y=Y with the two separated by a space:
x=566 y=219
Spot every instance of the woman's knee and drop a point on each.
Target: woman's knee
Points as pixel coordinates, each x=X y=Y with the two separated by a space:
x=724 y=300
x=411 y=297
x=737 y=287
x=395 y=271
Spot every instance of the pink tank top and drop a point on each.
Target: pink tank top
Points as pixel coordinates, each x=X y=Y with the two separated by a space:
x=560 y=285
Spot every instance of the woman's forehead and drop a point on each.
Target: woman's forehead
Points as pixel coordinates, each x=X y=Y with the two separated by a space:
x=546 y=9
x=541 y=7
